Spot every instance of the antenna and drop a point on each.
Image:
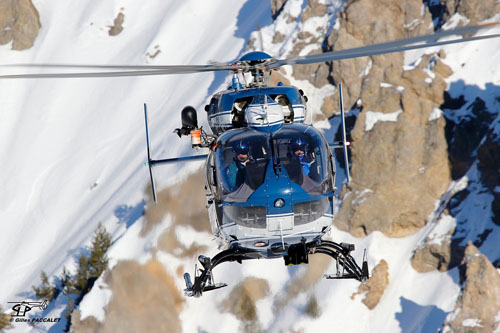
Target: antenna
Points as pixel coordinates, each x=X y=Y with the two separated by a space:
x=344 y=140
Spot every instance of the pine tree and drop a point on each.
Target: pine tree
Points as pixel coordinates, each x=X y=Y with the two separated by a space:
x=66 y=282
x=82 y=275
x=89 y=269
x=98 y=260
x=46 y=291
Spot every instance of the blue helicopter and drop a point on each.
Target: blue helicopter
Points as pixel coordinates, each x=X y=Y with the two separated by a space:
x=270 y=185
x=269 y=178
x=269 y=174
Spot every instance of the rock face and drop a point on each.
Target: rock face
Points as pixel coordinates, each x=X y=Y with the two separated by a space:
x=476 y=10
x=117 y=26
x=135 y=306
x=19 y=23
x=375 y=286
x=277 y=7
x=479 y=301
x=241 y=302
x=399 y=168
x=432 y=257
x=441 y=256
x=316 y=74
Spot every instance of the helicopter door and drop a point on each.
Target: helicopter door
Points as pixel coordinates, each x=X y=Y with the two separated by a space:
x=213 y=195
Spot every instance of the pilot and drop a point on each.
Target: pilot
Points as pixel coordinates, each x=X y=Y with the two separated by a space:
x=299 y=148
x=236 y=170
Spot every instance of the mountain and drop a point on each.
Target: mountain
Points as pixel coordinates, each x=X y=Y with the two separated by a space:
x=424 y=198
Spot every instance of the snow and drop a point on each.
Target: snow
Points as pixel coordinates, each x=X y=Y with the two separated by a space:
x=472 y=323
x=373 y=117
x=73 y=153
x=94 y=303
x=436 y=113
x=367 y=69
x=188 y=237
x=76 y=147
x=442 y=230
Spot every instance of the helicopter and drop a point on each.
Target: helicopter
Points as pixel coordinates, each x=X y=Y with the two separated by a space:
x=269 y=174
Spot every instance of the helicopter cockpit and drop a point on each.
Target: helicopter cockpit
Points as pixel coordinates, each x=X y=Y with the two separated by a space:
x=243 y=159
x=272 y=184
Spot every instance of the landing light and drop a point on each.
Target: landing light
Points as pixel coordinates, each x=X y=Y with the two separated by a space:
x=278 y=203
x=259 y=244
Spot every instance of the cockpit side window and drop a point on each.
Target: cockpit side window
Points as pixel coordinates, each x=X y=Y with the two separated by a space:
x=286 y=106
x=238 y=111
x=212 y=107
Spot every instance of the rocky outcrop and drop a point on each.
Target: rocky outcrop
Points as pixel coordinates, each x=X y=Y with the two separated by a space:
x=475 y=10
x=374 y=288
x=438 y=252
x=432 y=256
x=400 y=167
x=479 y=302
x=19 y=23
x=135 y=306
x=117 y=25
x=241 y=302
x=277 y=7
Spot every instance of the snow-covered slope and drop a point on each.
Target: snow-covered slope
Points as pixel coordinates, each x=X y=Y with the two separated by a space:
x=72 y=155
x=73 y=150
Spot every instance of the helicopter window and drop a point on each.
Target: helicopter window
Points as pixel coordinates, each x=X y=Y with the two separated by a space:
x=211 y=175
x=262 y=99
x=304 y=155
x=250 y=217
x=241 y=164
x=238 y=111
x=286 y=106
x=212 y=108
x=309 y=211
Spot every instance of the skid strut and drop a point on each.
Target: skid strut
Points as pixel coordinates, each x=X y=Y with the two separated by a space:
x=204 y=281
x=347 y=268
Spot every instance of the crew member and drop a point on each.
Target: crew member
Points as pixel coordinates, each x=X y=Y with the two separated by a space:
x=299 y=147
x=237 y=169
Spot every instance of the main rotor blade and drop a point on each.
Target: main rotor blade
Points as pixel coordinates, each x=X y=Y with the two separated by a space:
x=218 y=66
x=388 y=47
x=144 y=70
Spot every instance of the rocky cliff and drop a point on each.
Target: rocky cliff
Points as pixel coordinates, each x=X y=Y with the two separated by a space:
x=478 y=305
x=422 y=150
x=399 y=167
x=19 y=23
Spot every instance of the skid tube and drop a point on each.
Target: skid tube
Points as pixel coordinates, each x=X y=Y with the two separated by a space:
x=347 y=268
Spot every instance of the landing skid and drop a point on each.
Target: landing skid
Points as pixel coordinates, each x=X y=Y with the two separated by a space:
x=347 y=268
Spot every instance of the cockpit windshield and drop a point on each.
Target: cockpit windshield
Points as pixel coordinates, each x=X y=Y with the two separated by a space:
x=304 y=155
x=242 y=162
x=296 y=151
